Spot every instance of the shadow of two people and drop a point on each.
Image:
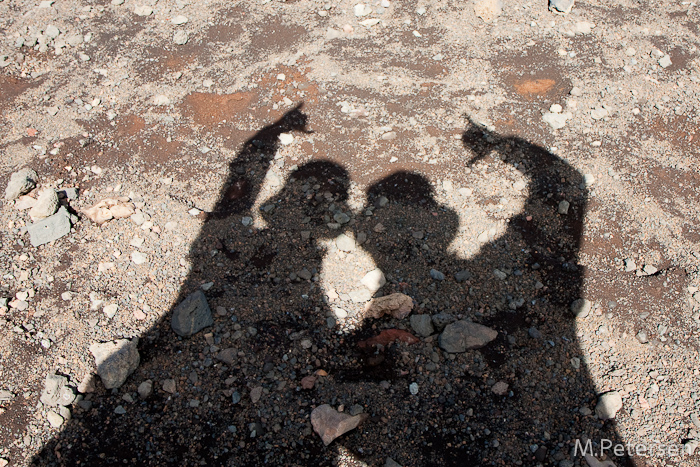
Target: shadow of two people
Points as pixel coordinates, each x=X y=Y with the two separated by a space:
x=272 y=278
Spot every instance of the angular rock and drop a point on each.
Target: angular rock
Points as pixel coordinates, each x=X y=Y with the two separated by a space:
x=461 y=336
x=228 y=356
x=463 y=275
x=345 y=243
x=46 y=205
x=110 y=208
x=191 y=315
x=53 y=384
x=422 y=325
x=397 y=305
x=55 y=420
x=50 y=229
x=328 y=423
x=116 y=360
x=608 y=405
x=21 y=182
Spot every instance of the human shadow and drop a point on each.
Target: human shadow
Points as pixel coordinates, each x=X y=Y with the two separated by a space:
x=527 y=397
x=243 y=389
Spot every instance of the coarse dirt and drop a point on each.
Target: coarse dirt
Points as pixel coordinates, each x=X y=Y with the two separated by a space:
x=287 y=149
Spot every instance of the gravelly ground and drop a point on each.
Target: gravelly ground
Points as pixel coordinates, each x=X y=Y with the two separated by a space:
x=427 y=129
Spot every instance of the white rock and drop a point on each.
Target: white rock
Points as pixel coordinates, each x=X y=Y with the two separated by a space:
x=556 y=120
x=161 y=100
x=110 y=310
x=563 y=207
x=362 y=10
x=286 y=138
x=139 y=258
x=21 y=182
x=374 y=280
x=180 y=37
x=665 y=61
x=143 y=10
x=608 y=405
x=599 y=112
x=179 y=19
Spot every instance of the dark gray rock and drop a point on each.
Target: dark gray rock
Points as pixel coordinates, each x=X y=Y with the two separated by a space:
x=437 y=275
x=422 y=325
x=192 y=315
x=461 y=336
x=463 y=275
x=116 y=360
x=440 y=320
x=50 y=229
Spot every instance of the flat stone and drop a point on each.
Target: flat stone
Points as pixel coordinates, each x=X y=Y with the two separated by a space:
x=180 y=37
x=608 y=405
x=53 y=384
x=50 y=229
x=360 y=295
x=116 y=360
x=556 y=120
x=329 y=424
x=461 y=336
x=191 y=315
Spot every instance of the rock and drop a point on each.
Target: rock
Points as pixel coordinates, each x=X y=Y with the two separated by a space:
x=500 y=388
x=55 y=420
x=437 y=275
x=391 y=463
x=25 y=202
x=422 y=325
x=374 y=280
x=143 y=10
x=341 y=218
x=286 y=139
x=180 y=37
x=561 y=6
x=397 y=305
x=463 y=275
x=581 y=307
x=21 y=182
x=563 y=207
x=630 y=265
x=145 y=389
x=488 y=10
x=228 y=356
x=256 y=394
x=179 y=19
x=461 y=336
x=387 y=337
x=110 y=310
x=139 y=258
x=665 y=61
x=328 y=423
x=642 y=337
x=534 y=333
x=440 y=320
x=53 y=384
x=116 y=360
x=345 y=243
x=608 y=405
x=45 y=206
x=360 y=295
x=110 y=208
x=307 y=382
x=169 y=386
x=599 y=113
x=556 y=120
x=6 y=395
x=87 y=384
x=50 y=229
x=191 y=315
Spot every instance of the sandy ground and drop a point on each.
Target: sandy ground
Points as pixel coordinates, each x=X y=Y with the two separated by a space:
x=495 y=161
